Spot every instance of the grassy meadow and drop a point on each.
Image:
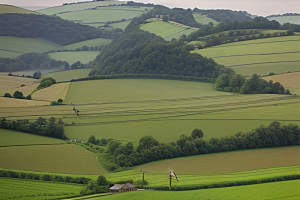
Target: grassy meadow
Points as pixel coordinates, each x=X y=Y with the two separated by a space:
x=288 y=190
x=15 y=138
x=13 y=9
x=61 y=159
x=35 y=189
x=277 y=55
x=69 y=74
x=166 y=30
x=203 y=19
x=12 y=47
x=77 y=6
x=285 y=19
x=74 y=56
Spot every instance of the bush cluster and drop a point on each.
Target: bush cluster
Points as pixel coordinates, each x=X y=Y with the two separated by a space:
x=18 y=95
x=44 y=177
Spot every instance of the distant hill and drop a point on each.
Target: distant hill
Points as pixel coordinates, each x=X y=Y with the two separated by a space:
x=13 y=9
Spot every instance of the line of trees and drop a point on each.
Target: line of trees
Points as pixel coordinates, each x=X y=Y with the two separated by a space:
x=148 y=149
x=55 y=29
x=18 y=95
x=41 y=126
x=254 y=85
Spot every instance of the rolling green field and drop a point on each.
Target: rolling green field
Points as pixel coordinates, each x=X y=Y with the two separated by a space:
x=78 y=6
x=203 y=19
x=89 y=43
x=277 y=55
x=287 y=190
x=35 y=189
x=285 y=19
x=166 y=30
x=69 y=74
x=14 y=46
x=104 y=14
x=63 y=159
x=14 y=138
x=74 y=56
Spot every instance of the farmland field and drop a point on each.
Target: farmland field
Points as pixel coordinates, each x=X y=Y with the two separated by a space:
x=11 y=138
x=227 y=162
x=69 y=74
x=15 y=46
x=64 y=159
x=286 y=190
x=104 y=14
x=74 y=56
x=78 y=6
x=35 y=189
x=166 y=30
x=277 y=55
x=52 y=93
x=89 y=43
x=290 y=81
x=203 y=19
x=12 y=9
x=285 y=19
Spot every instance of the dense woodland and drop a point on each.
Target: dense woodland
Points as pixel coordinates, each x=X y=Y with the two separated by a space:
x=149 y=149
x=55 y=29
x=41 y=126
x=254 y=85
x=224 y=15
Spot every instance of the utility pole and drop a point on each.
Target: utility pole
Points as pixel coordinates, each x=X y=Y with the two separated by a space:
x=170 y=187
x=143 y=178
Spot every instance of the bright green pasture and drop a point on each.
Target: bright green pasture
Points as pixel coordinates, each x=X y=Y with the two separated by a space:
x=287 y=190
x=285 y=19
x=78 y=6
x=69 y=74
x=74 y=56
x=124 y=90
x=89 y=43
x=277 y=54
x=14 y=46
x=166 y=30
x=63 y=159
x=104 y=14
x=14 y=188
x=121 y=25
x=11 y=138
x=266 y=68
x=203 y=19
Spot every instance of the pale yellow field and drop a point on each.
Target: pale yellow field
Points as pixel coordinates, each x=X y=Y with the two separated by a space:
x=52 y=93
x=290 y=81
x=10 y=84
x=12 y=102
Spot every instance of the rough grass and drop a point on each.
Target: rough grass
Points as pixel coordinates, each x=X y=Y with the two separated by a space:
x=13 y=9
x=12 y=138
x=77 y=6
x=166 y=30
x=290 y=81
x=52 y=93
x=227 y=162
x=74 y=56
x=14 y=46
x=69 y=74
x=203 y=19
x=285 y=19
x=9 y=84
x=277 y=54
x=35 y=189
x=64 y=159
x=89 y=43
x=287 y=190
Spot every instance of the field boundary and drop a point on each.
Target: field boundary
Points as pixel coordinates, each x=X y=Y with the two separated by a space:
x=288 y=61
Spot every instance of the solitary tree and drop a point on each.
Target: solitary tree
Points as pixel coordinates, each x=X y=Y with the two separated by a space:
x=197 y=133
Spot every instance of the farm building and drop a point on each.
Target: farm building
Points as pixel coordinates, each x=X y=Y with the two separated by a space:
x=118 y=188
